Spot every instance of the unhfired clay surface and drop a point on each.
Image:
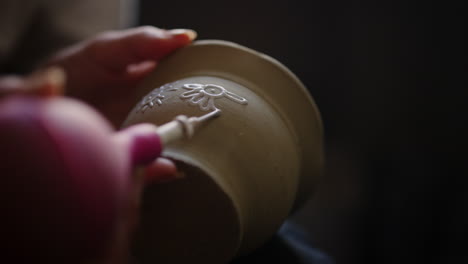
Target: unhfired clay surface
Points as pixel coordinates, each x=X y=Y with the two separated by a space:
x=259 y=159
x=187 y=220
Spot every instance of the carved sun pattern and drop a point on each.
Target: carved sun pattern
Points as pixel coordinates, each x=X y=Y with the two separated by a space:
x=204 y=95
x=201 y=95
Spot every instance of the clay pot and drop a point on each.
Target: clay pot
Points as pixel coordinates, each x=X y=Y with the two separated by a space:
x=245 y=171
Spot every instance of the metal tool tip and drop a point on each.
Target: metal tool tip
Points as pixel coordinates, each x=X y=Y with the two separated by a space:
x=209 y=116
x=217 y=113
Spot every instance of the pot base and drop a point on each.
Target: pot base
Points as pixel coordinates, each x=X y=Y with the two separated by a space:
x=188 y=219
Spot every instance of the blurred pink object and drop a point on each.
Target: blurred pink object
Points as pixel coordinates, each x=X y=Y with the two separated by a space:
x=65 y=177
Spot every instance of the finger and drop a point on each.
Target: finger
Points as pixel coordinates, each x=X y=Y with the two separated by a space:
x=47 y=82
x=161 y=170
x=118 y=49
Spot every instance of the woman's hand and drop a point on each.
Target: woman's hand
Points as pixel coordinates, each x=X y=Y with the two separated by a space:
x=104 y=70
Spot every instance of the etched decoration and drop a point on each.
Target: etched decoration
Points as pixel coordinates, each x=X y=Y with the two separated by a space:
x=204 y=95
x=201 y=95
x=156 y=97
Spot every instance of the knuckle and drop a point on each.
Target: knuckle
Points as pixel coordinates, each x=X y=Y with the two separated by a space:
x=146 y=28
x=149 y=31
x=105 y=36
x=98 y=41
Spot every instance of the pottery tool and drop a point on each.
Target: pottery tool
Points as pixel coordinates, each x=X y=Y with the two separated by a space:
x=183 y=127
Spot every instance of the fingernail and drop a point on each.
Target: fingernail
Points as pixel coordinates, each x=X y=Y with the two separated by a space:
x=56 y=76
x=49 y=81
x=191 y=34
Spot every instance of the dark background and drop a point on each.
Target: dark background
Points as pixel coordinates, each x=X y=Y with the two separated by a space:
x=389 y=78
